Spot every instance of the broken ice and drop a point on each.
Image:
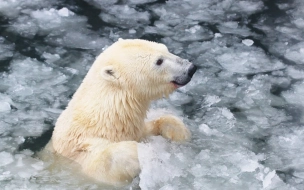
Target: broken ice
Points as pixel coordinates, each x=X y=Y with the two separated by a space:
x=244 y=106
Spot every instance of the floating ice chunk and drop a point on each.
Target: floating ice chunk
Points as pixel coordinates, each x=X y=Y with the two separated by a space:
x=19 y=162
x=198 y=170
x=168 y=187
x=201 y=15
x=290 y=32
x=65 y=12
x=137 y=2
x=205 y=129
x=25 y=27
x=11 y=8
x=248 y=42
x=102 y=4
x=72 y=71
x=6 y=176
x=250 y=166
x=156 y=164
x=5 y=103
x=27 y=166
x=50 y=21
x=6 y=158
x=75 y=39
x=248 y=6
x=125 y=16
x=4 y=106
x=215 y=118
x=234 y=28
x=218 y=35
x=296 y=53
x=231 y=24
x=210 y=100
x=266 y=170
x=132 y=31
x=52 y=110
x=195 y=33
x=299 y=23
x=6 y=8
x=248 y=61
x=193 y=29
x=295 y=96
x=50 y=58
x=283 y=6
x=159 y=28
x=172 y=44
x=290 y=139
x=227 y=113
x=42 y=21
x=6 y=50
x=199 y=48
x=180 y=98
x=39 y=165
x=268 y=178
x=247 y=161
x=209 y=11
x=22 y=91
x=298 y=11
x=24 y=174
x=295 y=73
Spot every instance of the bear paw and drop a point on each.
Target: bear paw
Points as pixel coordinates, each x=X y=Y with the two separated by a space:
x=173 y=128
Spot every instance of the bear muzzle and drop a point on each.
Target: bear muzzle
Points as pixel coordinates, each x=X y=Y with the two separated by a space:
x=192 y=70
x=186 y=77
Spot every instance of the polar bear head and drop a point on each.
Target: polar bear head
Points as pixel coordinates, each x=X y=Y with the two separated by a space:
x=145 y=69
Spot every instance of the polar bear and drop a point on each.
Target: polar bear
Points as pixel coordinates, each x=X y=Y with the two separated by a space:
x=104 y=120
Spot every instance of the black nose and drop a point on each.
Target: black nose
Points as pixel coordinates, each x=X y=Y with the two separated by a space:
x=192 y=70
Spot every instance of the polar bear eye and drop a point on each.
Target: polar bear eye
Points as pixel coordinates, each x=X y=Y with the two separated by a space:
x=159 y=61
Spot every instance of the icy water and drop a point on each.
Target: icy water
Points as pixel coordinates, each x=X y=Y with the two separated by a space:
x=244 y=105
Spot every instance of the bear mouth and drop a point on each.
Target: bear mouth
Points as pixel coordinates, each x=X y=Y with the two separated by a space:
x=177 y=84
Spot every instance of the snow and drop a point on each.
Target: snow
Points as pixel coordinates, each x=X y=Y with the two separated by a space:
x=244 y=106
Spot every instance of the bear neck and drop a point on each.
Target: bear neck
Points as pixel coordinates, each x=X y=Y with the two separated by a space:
x=110 y=113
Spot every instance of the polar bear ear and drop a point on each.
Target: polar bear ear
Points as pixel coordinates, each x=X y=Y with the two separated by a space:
x=109 y=73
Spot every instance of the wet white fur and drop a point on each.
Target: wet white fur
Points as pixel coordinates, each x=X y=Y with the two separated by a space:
x=104 y=120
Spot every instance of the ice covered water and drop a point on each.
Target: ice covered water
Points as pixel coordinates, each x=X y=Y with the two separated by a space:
x=6 y=49
x=244 y=106
x=295 y=53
